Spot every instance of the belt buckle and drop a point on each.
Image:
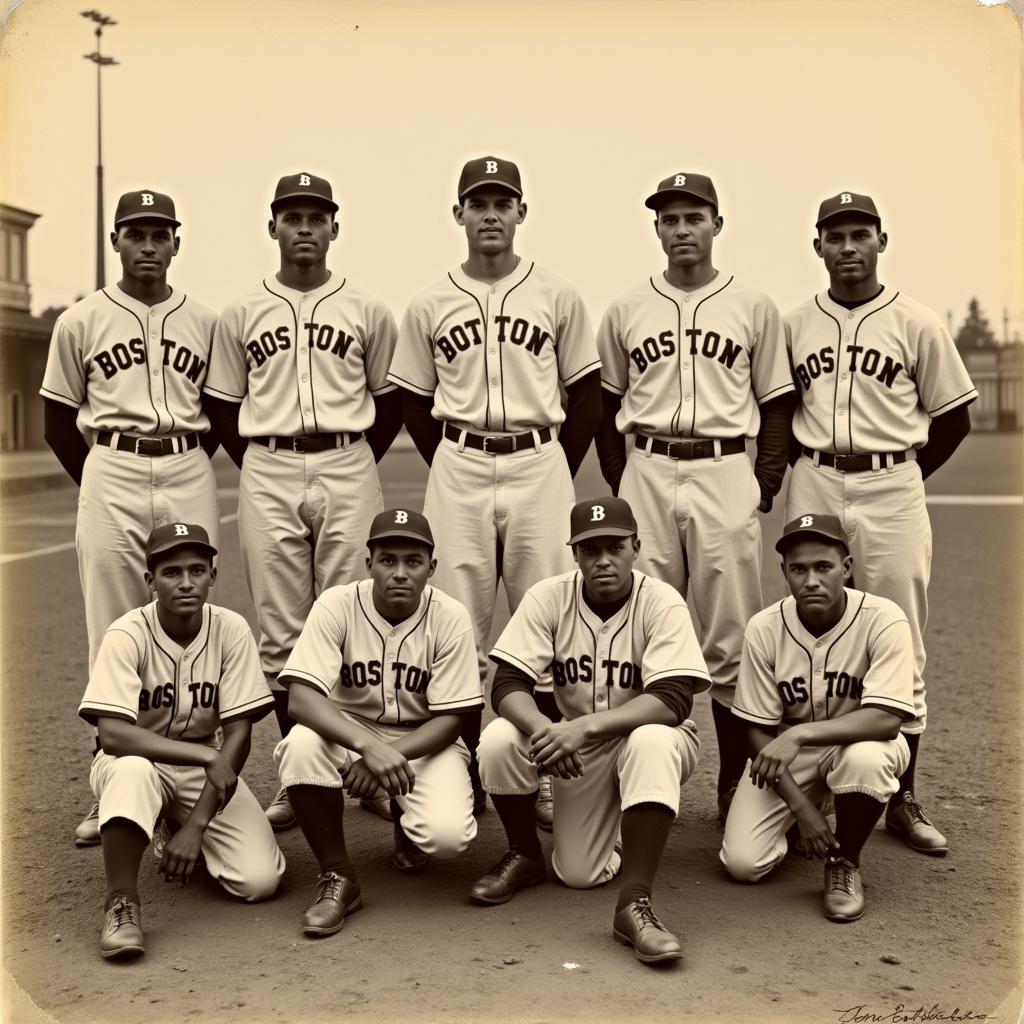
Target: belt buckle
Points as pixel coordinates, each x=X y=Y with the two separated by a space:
x=149 y=446
x=506 y=445
x=845 y=463
x=298 y=445
x=682 y=449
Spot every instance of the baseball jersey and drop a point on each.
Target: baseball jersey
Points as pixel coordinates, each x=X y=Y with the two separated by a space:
x=131 y=367
x=871 y=377
x=693 y=364
x=302 y=362
x=392 y=675
x=493 y=355
x=145 y=677
x=788 y=675
x=600 y=665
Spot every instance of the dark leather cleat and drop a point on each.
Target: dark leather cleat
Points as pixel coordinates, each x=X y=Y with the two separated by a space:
x=545 y=811
x=512 y=873
x=122 y=937
x=408 y=856
x=843 y=898
x=637 y=925
x=88 y=831
x=336 y=896
x=906 y=820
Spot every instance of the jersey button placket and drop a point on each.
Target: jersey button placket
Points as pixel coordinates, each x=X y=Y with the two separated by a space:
x=156 y=361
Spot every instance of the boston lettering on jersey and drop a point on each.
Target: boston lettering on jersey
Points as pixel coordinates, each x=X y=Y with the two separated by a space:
x=625 y=674
x=865 y=361
x=709 y=344
x=123 y=355
x=516 y=330
x=840 y=684
x=322 y=337
x=204 y=695
x=360 y=674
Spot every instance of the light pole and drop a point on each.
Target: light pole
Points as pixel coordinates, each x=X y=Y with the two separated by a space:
x=102 y=21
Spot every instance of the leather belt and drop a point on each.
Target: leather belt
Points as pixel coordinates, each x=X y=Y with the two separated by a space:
x=498 y=444
x=173 y=445
x=306 y=443
x=691 y=447
x=860 y=463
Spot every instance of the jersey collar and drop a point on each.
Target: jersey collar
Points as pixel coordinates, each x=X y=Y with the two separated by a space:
x=482 y=288
x=716 y=284
x=332 y=284
x=140 y=308
x=165 y=641
x=378 y=620
x=592 y=618
x=854 y=600
x=827 y=303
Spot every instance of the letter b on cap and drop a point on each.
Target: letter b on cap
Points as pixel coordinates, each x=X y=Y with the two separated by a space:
x=401 y=517
x=303 y=179
x=845 y=198
x=807 y=521
x=680 y=179
x=596 y=513
x=180 y=530
x=147 y=198
x=491 y=166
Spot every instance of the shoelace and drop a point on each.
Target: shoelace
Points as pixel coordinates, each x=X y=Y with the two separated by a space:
x=842 y=876
x=329 y=886
x=123 y=911
x=914 y=810
x=644 y=913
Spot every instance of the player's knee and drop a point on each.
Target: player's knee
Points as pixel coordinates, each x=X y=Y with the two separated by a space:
x=578 y=873
x=864 y=760
x=134 y=771
x=301 y=748
x=447 y=839
x=260 y=882
x=744 y=863
x=653 y=738
x=496 y=742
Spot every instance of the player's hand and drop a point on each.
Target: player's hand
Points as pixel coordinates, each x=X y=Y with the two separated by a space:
x=391 y=769
x=774 y=758
x=181 y=853
x=554 y=742
x=818 y=838
x=223 y=779
x=360 y=782
x=570 y=767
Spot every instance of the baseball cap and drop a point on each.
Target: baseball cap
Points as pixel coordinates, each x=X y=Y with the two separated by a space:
x=490 y=170
x=698 y=186
x=601 y=517
x=846 y=202
x=303 y=186
x=811 y=527
x=177 y=535
x=400 y=522
x=145 y=204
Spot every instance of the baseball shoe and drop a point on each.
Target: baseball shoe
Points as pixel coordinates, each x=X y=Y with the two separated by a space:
x=336 y=896
x=545 y=805
x=512 y=873
x=122 y=930
x=88 y=831
x=637 y=925
x=906 y=820
x=408 y=857
x=280 y=813
x=379 y=805
x=725 y=802
x=843 y=898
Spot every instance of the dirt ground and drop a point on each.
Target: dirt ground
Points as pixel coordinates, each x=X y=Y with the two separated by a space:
x=941 y=935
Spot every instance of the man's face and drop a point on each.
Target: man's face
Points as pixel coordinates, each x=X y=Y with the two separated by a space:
x=303 y=231
x=400 y=570
x=816 y=573
x=687 y=229
x=607 y=565
x=850 y=247
x=490 y=216
x=146 y=248
x=181 y=579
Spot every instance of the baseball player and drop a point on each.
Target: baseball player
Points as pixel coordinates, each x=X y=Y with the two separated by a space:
x=626 y=664
x=482 y=359
x=297 y=392
x=694 y=364
x=378 y=679
x=124 y=373
x=883 y=404
x=826 y=680
x=166 y=678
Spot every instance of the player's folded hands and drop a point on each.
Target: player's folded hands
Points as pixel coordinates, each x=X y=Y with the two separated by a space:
x=181 y=853
x=386 y=767
x=558 y=744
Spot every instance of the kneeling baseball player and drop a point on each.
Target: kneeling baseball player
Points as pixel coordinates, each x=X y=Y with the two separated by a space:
x=626 y=664
x=167 y=676
x=377 y=682
x=826 y=680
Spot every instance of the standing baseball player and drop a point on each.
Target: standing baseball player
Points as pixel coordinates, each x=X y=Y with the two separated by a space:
x=883 y=404
x=125 y=369
x=167 y=676
x=693 y=364
x=483 y=357
x=379 y=679
x=826 y=680
x=626 y=664
x=298 y=394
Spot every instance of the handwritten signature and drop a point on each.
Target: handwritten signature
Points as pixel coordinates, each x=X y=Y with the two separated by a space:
x=903 y=1015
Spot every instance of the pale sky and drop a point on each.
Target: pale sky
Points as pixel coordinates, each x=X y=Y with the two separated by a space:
x=782 y=103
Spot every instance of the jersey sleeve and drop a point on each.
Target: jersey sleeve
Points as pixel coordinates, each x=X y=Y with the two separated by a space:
x=614 y=362
x=317 y=655
x=380 y=350
x=770 y=372
x=672 y=649
x=942 y=379
x=528 y=641
x=228 y=375
x=412 y=365
x=65 y=377
x=455 y=682
x=114 y=683
x=577 y=352
x=243 y=690
x=757 y=697
x=889 y=680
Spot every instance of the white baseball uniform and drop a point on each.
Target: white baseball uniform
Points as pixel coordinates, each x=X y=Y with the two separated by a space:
x=870 y=378
x=598 y=666
x=134 y=370
x=697 y=365
x=144 y=677
x=299 y=364
x=390 y=679
x=789 y=676
x=494 y=357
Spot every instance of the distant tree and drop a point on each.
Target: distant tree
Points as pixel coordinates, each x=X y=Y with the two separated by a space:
x=975 y=332
x=50 y=314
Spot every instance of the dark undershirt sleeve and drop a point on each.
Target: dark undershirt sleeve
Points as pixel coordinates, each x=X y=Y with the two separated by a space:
x=224 y=426
x=387 y=421
x=582 y=415
x=774 y=440
x=425 y=431
x=60 y=428
x=508 y=680
x=676 y=693
x=945 y=433
x=611 y=445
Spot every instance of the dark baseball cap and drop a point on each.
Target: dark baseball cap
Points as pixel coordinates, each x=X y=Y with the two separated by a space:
x=145 y=205
x=696 y=186
x=303 y=186
x=601 y=517
x=177 y=535
x=811 y=527
x=844 y=203
x=490 y=170
x=400 y=522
